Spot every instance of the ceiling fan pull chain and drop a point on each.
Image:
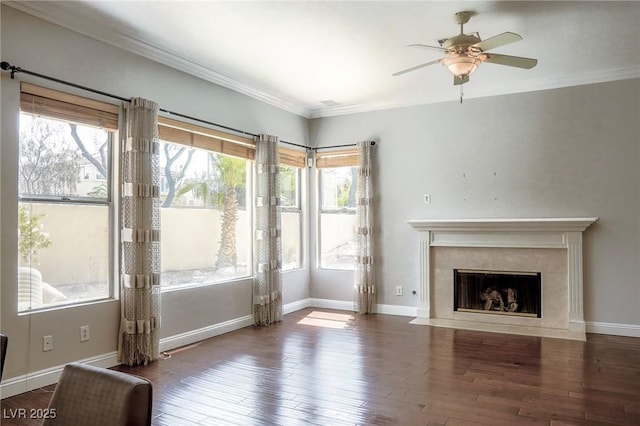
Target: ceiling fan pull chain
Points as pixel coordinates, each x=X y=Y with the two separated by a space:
x=461 y=93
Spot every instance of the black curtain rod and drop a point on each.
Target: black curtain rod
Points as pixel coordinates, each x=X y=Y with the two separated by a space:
x=341 y=146
x=6 y=66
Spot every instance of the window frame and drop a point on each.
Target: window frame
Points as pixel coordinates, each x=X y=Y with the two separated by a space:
x=297 y=209
x=203 y=138
x=38 y=101
x=326 y=160
x=197 y=136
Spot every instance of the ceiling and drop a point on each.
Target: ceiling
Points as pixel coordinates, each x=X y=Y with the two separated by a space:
x=319 y=58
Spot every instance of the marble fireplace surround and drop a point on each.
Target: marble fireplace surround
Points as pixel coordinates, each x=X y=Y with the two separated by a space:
x=552 y=246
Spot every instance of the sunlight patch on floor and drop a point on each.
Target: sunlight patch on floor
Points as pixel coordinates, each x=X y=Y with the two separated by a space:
x=326 y=319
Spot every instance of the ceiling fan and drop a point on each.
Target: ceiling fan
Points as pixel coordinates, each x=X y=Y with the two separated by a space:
x=465 y=52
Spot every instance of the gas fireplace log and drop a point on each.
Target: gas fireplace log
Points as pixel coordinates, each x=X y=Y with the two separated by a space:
x=511 y=300
x=492 y=297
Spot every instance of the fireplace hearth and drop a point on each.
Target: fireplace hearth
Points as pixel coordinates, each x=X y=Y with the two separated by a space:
x=498 y=292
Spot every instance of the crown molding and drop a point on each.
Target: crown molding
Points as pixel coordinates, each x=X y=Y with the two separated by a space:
x=499 y=89
x=64 y=16
x=68 y=17
x=187 y=66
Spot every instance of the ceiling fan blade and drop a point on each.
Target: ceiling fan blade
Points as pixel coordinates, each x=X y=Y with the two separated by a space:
x=457 y=81
x=511 y=61
x=497 y=41
x=417 y=67
x=425 y=46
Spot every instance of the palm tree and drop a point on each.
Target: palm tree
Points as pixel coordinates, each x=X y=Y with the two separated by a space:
x=233 y=175
x=219 y=188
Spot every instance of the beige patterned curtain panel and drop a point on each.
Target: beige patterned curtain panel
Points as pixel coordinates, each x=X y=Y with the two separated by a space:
x=365 y=283
x=267 y=284
x=140 y=234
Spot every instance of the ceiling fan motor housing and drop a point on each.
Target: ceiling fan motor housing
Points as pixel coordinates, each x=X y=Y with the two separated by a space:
x=461 y=43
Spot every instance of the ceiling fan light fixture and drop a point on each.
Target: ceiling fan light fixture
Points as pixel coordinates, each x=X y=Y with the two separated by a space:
x=465 y=52
x=461 y=65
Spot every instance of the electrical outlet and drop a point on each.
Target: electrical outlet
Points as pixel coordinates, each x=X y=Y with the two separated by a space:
x=47 y=343
x=84 y=333
x=399 y=290
x=427 y=198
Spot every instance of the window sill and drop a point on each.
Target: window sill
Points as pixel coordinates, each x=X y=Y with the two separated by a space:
x=324 y=268
x=170 y=289
x=70 y=305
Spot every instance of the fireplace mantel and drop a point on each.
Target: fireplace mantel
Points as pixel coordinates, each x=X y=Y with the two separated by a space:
x=504 y=224
x=508 y=233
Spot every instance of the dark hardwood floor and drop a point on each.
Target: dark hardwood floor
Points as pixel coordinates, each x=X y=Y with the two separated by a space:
x=381 y=370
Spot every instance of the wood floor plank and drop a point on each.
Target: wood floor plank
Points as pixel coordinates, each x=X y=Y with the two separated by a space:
x=380 y=370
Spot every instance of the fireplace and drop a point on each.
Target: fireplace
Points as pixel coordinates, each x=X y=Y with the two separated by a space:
x=498 y=292
x=551 y=247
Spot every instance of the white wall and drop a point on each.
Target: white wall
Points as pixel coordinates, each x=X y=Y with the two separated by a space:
x=562 y=153
x=48 y=49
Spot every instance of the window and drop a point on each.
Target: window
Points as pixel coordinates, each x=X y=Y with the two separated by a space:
x=337 y=180
x=291 y=217
x=206 y=214
x=206 y=205
x=64 y=199
x=292 y=171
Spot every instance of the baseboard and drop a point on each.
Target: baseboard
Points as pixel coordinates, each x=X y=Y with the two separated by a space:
x=340 y=305
x=48 y=376
x=28 y=382
x=197 y=335
x=404 y=311
x=296 y=306
x=25 y=383
x=194 y=336
x=343 y=305
x=627 y=330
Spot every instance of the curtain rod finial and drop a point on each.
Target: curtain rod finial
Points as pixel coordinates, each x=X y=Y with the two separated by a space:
x=7 y=66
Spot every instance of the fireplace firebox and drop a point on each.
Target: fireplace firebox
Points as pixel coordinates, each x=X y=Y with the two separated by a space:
x=498 y=292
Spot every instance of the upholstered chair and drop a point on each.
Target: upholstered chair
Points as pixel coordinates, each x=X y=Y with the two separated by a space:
x=93 y=396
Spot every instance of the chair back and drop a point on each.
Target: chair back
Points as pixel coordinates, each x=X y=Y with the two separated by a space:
x=93 y=396
x=4 y=340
